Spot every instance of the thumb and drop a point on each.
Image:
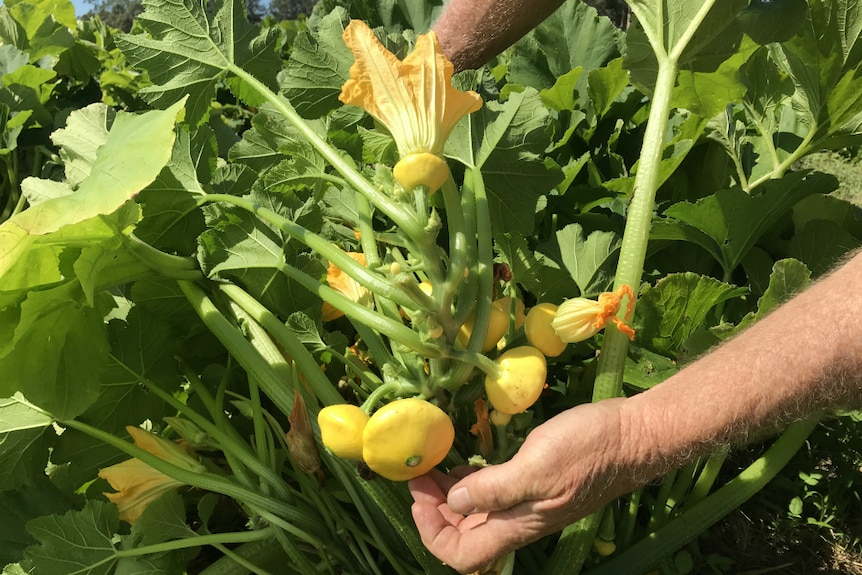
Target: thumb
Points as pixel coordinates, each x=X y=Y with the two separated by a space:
x=493 y=488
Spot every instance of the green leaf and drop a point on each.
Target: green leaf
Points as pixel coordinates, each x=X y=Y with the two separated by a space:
x=681 y=31
x=319 y=65
x=706 y=93
x=788 y=277
x=645 y=369
x=273 y=139
x=729 y=222
x=820 y=244
x=23 y=456
x=68 y=337
x=507 y=140
x=590 y=259
x=189 y=50
x=163 y=520
x=86 y=131
x=172 y=218
x=306 y=330
x=573 y=36
x=37 y=498
x=119 y=172
x=563 y=94
x=47 y=26
x=767 y=22
x=77 y=542
x=606 y=84
x=143 y=348
x=670 y=312
x=827 y=86
x=17 y=414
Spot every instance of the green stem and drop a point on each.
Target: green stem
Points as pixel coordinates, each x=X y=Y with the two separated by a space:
x=362 y=316
x=402 y=218
x=305 y=361
x=263 y=551
x=241 y=561
x=707 y=477
x=398 y=388
x=611 y=365
x=320 y=245
x=199 y=541
x=209 y=482
x=684 y=528
x=483 y=282
x=239 y=347
x=228 y=442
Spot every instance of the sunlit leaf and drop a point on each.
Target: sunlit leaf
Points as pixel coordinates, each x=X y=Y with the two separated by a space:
x=189 y=50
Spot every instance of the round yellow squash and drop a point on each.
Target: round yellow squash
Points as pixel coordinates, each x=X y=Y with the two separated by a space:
x=406 y=438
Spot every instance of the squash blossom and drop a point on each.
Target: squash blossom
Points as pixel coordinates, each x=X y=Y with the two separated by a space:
x=581 y=318
x=137 y=484
x=346 y=286
x=413 y=98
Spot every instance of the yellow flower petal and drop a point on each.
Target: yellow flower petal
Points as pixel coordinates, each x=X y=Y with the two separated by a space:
x=137 y=484
x=413 y=98
x=346 y=286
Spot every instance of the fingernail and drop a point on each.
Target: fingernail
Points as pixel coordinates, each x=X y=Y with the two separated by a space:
x=460 y=502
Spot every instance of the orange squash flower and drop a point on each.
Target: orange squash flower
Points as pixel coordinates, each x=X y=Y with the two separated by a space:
x=413 y=98
x=346 y=286
x=137 y=484
x=581 y=318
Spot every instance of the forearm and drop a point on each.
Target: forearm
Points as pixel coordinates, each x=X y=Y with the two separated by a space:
x=804 y=358
x=471 y=32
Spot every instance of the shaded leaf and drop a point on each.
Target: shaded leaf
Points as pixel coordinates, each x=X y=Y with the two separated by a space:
x=77 y=542
x=670 y=312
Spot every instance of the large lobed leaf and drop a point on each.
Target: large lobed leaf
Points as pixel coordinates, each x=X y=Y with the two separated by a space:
x=507 y=140
x=189 y=50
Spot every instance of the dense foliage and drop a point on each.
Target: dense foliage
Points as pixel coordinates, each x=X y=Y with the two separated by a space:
x=172 y=197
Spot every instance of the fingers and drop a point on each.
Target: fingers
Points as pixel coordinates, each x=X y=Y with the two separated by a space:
x=493 y=488
x=469 y=543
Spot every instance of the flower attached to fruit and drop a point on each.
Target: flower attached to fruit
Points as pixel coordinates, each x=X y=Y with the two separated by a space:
x=346 y=286
x=414 y=98
x=580 y=318
x=519 y=382
x=421 y=169
x=406 y=438
x=341 y=428
x=137 y=484
x=539 y=332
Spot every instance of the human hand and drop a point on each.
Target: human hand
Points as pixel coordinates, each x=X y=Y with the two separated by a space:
x=567 y=468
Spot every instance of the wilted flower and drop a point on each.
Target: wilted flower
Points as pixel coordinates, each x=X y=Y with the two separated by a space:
x=137 y=483
x=346 y=286
x=300 y=438
x=580 y=318
x=482 y=428
x=413 y=98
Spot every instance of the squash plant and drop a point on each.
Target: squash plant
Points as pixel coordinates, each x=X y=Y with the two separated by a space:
x=213 y=268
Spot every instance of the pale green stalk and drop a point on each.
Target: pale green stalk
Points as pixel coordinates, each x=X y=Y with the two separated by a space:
x=574 y=545
x=645 y=553
x=211 y=482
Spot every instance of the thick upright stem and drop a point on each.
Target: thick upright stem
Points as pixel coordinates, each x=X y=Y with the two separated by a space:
x=609 y=377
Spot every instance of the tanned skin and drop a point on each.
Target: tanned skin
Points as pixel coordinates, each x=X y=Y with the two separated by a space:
x=472 y=32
